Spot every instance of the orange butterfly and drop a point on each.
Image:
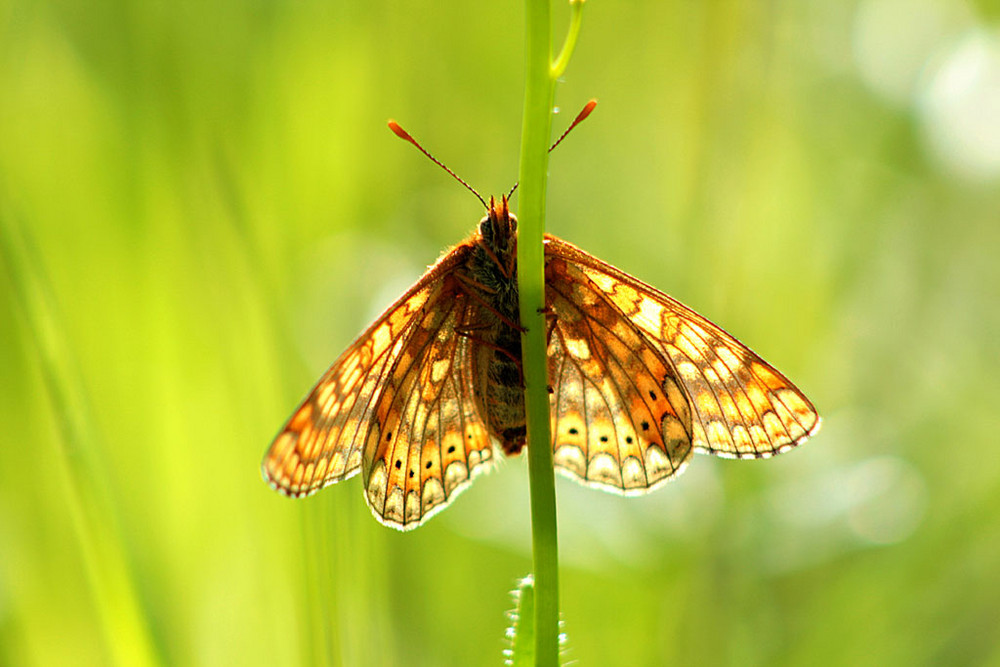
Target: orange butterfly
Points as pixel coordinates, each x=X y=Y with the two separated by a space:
x=638 y=380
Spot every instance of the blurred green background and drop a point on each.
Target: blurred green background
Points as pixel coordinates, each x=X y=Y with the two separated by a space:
x=201 y=206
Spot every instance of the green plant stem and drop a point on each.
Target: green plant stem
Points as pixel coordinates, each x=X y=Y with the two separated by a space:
x=575 y=21
x=522 y=649
x=536 y=129
x=540 y=77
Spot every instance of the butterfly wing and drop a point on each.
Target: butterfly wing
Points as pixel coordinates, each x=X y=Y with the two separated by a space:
x=426 y=441
x=729 y=401
x=408 y=365
x=619 y=420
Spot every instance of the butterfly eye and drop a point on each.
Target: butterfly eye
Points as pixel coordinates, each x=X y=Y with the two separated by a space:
x=485 y=228
x=513 y=223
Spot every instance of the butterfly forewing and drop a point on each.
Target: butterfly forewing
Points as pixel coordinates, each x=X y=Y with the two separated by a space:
x=739 y=405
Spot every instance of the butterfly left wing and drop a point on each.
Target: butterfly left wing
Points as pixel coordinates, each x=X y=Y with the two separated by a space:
x=336 y=431
x=739 y=405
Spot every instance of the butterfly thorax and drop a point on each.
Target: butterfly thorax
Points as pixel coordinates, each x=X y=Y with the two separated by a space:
x=492 y=326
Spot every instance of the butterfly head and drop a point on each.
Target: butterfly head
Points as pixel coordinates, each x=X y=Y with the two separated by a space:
x=498 y=228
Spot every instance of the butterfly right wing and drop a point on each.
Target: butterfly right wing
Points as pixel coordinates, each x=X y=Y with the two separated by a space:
x=740 y=406
x=324 y=440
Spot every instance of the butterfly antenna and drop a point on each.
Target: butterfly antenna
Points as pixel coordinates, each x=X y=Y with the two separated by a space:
x=580 y=117
x=403 y=134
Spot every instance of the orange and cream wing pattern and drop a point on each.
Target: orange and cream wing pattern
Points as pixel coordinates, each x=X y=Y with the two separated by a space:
x=426 y=440
x=619 y=420
x=732 y=402
x=399 y=393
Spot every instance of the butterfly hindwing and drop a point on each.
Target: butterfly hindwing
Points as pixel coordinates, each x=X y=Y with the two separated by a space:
x=619 y=421
x=739 y=405
x=426 y=441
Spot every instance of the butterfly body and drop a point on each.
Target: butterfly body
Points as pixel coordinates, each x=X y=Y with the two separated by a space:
x=490 y=283
x=638 y=383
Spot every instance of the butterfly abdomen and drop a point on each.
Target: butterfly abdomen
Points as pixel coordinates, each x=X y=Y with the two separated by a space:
x=505 y=391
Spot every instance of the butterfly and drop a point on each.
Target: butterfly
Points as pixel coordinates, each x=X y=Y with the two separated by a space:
x=432 y=392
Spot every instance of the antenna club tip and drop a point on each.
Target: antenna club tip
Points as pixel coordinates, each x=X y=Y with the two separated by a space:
x=587 y=108
x=398 y=131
